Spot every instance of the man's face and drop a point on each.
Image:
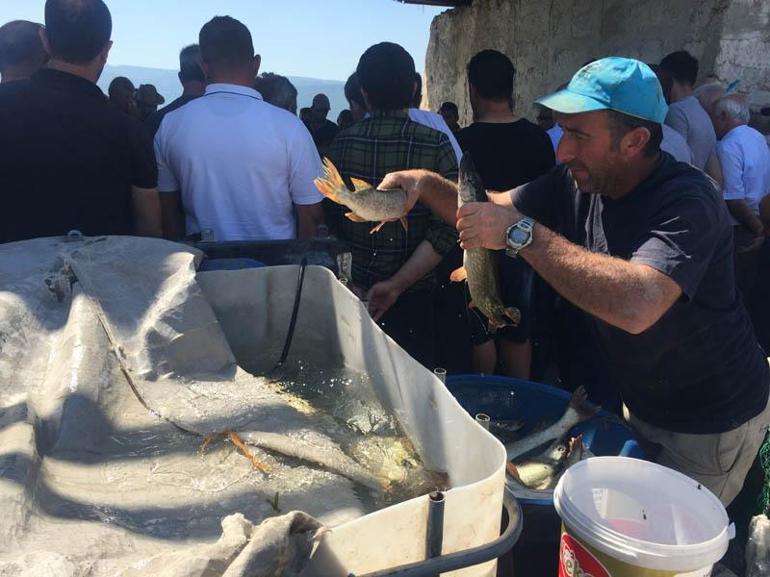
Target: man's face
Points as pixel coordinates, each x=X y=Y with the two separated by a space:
x=590 y=151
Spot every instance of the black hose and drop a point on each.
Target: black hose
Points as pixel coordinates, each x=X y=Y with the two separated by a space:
x=294 y=312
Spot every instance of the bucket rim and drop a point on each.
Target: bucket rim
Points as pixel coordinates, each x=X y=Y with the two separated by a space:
x=639 y=552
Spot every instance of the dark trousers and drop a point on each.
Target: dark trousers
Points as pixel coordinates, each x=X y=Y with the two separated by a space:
x=410 y=322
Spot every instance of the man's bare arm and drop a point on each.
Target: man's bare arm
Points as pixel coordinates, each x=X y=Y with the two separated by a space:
x=147 y=213
x=742 y=212
x=764 y=213
x=714 y=169
x=383 y=294
x=173 y=215
x=627 y=295
x=431 y=189
x=309 y=216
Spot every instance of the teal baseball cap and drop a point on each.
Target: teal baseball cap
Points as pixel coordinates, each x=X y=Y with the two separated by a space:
x=613 y=83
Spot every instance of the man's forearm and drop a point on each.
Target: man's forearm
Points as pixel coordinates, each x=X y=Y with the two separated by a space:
x=742 y=212
x=147 y=212
x=440 y=196
x=309 y=217
x=624 y=294
x=423 y=260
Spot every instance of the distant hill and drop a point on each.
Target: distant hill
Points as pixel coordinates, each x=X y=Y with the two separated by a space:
x=167 y=83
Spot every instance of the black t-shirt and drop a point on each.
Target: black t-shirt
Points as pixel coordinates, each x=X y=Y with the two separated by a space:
x=509 y=154
x=699 y=369
x=68 y=159
x=152 y=124
x=324 y=135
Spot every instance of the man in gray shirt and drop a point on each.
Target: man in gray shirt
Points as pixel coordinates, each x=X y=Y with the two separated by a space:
x=685 y=114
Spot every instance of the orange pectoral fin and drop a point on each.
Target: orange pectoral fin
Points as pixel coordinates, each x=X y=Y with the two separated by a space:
x=459 y=275
x=378 y=227
x=511 y=469
x=354 y=217
x=404 y=223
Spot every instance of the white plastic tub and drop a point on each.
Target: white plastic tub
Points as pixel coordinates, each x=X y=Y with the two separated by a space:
x=254 y=306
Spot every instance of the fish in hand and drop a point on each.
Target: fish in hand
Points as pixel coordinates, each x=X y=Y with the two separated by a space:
x=366 y=203
x=480 y=264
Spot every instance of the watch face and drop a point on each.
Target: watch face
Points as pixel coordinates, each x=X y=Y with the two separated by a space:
x=519 y=236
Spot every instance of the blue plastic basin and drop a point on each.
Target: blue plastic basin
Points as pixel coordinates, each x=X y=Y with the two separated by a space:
x=504 y=398
x=238 y=263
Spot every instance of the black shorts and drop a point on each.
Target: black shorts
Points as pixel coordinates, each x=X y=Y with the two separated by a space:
x=518 y=288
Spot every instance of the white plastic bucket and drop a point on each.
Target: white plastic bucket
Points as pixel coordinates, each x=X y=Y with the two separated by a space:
x=625 y=517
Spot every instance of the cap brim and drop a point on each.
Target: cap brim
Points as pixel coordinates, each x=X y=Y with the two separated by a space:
x=568 y=102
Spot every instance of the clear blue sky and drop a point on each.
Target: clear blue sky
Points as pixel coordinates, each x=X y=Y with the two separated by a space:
x=316 y=38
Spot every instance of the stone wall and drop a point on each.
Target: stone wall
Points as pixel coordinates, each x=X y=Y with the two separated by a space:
x=548 y=40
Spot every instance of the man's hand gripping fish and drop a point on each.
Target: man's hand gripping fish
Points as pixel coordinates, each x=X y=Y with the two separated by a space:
x=367 y=204
x=480 y=264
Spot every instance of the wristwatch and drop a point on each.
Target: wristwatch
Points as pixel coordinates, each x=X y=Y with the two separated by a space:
x=519 y=236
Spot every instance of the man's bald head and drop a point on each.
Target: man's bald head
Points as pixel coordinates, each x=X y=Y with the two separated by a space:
x=77 y=30
x=21 y=50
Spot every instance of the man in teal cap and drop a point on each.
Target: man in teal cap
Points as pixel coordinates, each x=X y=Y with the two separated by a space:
x=643 y=245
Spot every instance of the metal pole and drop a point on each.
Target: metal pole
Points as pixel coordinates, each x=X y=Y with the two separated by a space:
x=435 y=532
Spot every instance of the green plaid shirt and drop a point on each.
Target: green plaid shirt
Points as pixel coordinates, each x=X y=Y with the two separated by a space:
x=382 y=143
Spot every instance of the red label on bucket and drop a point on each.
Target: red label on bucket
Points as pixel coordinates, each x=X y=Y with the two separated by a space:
x=577 y=561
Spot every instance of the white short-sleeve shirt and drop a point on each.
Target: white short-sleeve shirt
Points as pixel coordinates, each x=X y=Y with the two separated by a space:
x=745 y=159
x=240 y=164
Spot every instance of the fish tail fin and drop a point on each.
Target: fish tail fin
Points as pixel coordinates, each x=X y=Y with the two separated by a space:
x=332 y=182
x=579 y=402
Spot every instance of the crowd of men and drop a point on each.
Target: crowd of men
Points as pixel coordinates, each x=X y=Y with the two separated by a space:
x=635 y=213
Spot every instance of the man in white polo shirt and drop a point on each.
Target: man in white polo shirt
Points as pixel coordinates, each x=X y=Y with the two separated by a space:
x=229 y=161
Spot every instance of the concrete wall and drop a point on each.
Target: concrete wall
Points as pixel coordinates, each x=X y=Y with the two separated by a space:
x=548 y=40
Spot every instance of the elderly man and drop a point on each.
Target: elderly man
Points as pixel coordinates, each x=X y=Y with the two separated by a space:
x=21 y=50
x=230 y=162
x=70 y=160
x=643 y=245
x=193 y=83
x=745 y=161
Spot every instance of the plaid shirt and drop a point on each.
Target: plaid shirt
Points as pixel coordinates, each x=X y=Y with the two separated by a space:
x=382 y=143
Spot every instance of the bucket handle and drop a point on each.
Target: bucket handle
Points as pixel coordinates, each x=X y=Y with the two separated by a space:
x=467 y=558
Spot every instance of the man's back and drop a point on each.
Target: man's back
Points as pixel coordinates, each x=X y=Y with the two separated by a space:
x=689 y=119
x=368 y=150
x=507 y=154
x=152 y=123
x=745 y=159
x=240 y=164
x=69 y=159
x=435 y=121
